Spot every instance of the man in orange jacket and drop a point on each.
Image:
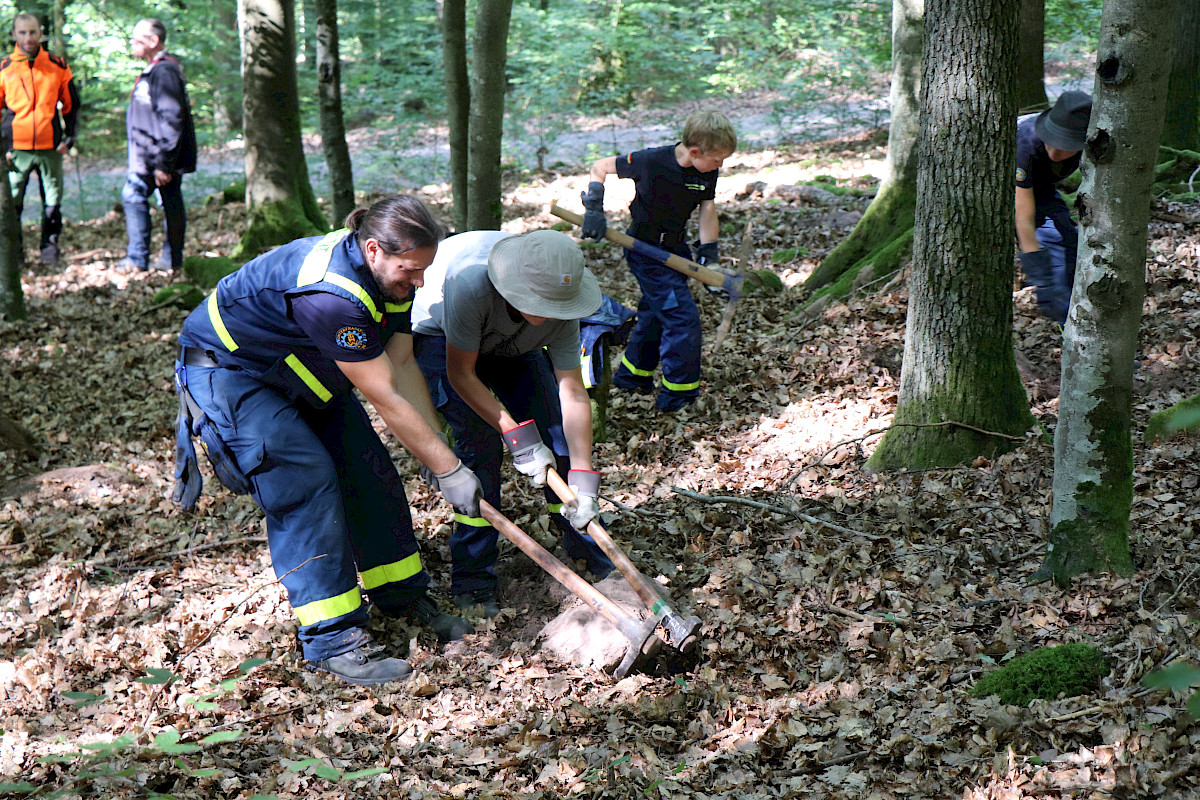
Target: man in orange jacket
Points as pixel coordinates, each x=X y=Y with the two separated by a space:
x=34 y=85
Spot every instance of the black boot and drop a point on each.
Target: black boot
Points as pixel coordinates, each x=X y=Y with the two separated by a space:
x=51 y=229
x=449 y=628
x=366 y=665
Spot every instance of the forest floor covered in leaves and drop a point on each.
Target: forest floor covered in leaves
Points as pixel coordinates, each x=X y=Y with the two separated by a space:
x=836 y=659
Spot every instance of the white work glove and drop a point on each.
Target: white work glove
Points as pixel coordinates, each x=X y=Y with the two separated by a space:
x=462 y=490
x=582 y=510
x=530 y=456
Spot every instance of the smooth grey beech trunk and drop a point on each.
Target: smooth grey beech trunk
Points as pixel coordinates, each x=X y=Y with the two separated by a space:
x=959 y=385
x=880 y=237
x=485 y=131
x=458 y=102
x=1031 y=57
x=227 y=83
x=12 y=261
x=329 y=96
x=1181 y=128
x=279 y=197
x=1093 y=450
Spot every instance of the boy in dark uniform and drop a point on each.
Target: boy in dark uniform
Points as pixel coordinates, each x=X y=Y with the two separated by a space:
x=1048 y=150
x=671 y=182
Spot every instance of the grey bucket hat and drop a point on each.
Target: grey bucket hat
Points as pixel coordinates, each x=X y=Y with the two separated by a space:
x=1065 y=125
x=541 y=273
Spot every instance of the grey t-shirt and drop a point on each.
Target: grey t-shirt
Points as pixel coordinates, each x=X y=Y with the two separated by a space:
x=459 y=302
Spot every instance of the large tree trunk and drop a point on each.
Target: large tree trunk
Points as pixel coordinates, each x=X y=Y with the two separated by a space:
x=486 y=125
x=882 y=237
x=1093 y=451
x=333 y=127
x=12 y=261
x=58 y=40
x=227 y=83
x=279 y=197
x=1031 y=57
x=959 y=366
x=458 y=101
x=1181 y=128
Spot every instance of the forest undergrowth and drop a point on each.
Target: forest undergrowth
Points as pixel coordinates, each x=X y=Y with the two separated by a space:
x=146 y=652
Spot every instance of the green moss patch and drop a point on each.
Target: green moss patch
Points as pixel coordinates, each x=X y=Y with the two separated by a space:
x=182 y=294
x=1184 y=417
x=205 y=272
x=1070 y=670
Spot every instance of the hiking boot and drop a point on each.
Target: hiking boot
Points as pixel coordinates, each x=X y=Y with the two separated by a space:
x=449 y=628
x=366 y=665
x=49 y=255
x=128 y=266
x=671 y=401
x=629 y=383
x=484 y=598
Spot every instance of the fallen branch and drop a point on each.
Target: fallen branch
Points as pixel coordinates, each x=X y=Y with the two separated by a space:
x=637 y=512
x=703 y=498
x=903 y=622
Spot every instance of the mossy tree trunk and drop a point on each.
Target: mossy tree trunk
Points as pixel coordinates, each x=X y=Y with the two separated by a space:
x=458 y=101
x=485 y=130
x=279 y=197
x=227 y=81
x=1093 y=450
x=882 y=237
x=958 y=356
x=12 y=261
x=1031 y=57
x=329 y=93
x=1181 y=129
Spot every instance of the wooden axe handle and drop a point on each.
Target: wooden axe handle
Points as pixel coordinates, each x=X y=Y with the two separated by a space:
x=678 y=263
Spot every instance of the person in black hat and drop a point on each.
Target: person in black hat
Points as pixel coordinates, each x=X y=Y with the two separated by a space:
x=1048 y=150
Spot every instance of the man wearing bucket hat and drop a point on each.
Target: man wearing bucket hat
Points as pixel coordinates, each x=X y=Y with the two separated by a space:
x=496 y=334
x=1048 y=150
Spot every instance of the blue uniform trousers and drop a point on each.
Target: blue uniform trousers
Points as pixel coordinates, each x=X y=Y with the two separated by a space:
x=333 y=502
x=1057 y=235
x=525 y=385
x=667 y=331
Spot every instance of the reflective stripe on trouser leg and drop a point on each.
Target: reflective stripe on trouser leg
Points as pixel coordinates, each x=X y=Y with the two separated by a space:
x=377 y=515
x=296 y=485
x=668 y=328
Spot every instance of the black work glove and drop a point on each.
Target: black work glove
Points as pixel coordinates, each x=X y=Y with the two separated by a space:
x=594 y=223
x=706 y=254
x=462 y=490
x=1052 y=299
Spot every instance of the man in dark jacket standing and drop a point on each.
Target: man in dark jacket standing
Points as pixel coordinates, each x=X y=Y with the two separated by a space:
x=162 y=147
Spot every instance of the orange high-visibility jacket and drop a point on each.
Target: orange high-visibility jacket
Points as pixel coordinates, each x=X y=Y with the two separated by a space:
x=30 y=92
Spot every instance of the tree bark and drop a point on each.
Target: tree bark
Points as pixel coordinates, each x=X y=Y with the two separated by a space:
x=333 y=126
x=279 y=196
x=227 y=83
x=1093 y=450
x=486 y=125
x=58 y=41
x=881 y=238
x=958 y=354
x=1031 y=57
x=458 y=102
x=12 y=261
x=1181 y=129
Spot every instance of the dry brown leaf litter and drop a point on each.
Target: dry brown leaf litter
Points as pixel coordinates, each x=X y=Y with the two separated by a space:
x=834 y=664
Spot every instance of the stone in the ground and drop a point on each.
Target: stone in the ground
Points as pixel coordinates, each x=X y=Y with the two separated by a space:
x=580 y=636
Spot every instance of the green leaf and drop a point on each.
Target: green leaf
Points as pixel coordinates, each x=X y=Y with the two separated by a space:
x=157 y=675
x=328 y=773
x=84 y=699
x=222 y=736
x=14 y=788
x=679 y=679
x=229 y=684
x=264 y=797
x=1177 y=677
x=208 y=772
x=203 y=705
x=303 y=764
x=620 y=760
x=251 y=663
x=167 y=741
x=363 y=773
x=1194 y=705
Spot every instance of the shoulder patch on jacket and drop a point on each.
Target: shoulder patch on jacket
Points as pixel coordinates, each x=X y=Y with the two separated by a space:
x=58 y=60
x=6 y=63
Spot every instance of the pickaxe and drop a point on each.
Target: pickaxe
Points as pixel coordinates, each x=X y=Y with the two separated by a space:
x=730 y=284
x=678 y=632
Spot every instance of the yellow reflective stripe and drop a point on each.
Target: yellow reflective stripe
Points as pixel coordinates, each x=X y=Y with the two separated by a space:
x=586 y=365
x=645 y=373
x=555 y=508
x=317 y=260
x=321 y=610
x=474 y=522
x=397 y=308
x=214 y=316
x=392 y=573
x=309 y=379
x=680 y=387
x=356 y=290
